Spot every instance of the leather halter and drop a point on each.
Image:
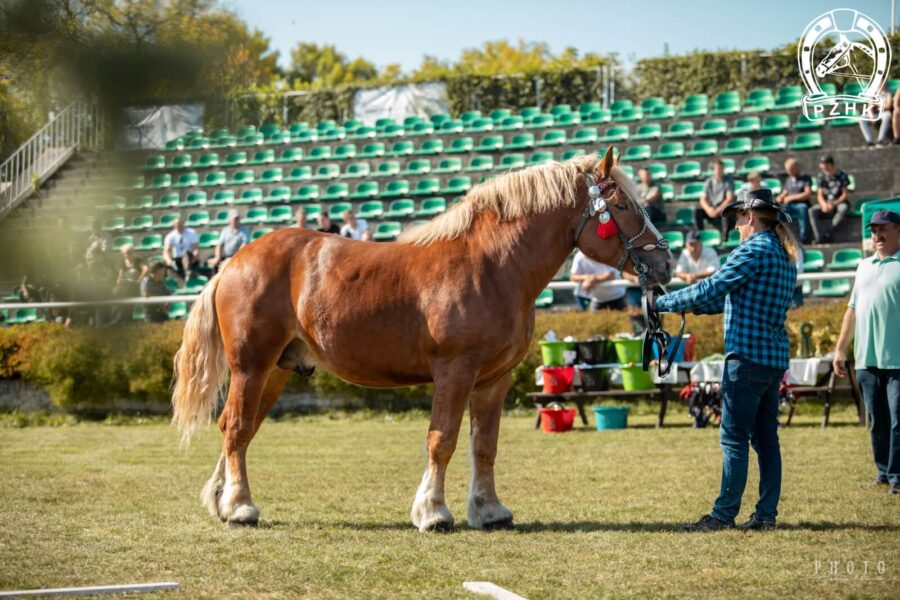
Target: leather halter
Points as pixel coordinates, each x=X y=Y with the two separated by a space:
x=598 y=205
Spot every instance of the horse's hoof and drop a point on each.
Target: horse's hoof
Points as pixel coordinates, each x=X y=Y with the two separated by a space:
x=501 y=525
x=241 y=524
x=441 y=527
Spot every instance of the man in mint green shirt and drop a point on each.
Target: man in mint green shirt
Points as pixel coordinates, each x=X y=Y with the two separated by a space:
x=874 y=314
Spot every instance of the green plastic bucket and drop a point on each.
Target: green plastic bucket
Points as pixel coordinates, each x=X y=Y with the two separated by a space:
x=553 y=353
x=629 y=350
x=611 y=417
x=636 y=378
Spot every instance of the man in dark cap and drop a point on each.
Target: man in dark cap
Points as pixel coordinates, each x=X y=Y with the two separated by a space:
x=872 y=317
x=834 y=186
x=754 y=289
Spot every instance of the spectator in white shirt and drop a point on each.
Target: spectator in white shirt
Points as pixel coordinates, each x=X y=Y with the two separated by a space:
x=180 y=248
x=696 y=262
x=590 y=276
x=353 y=228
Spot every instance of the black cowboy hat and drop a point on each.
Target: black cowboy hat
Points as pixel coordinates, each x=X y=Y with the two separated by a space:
x=760 y=199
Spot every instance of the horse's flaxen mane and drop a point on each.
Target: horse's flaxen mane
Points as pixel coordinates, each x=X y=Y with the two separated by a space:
x=511 y=196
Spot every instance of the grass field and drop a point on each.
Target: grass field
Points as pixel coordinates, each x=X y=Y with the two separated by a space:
x=597 y=514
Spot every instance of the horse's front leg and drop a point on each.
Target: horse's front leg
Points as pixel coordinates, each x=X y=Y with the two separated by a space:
x=452 y=385
x=485 y=511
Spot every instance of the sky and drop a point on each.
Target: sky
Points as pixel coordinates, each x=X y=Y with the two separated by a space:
x=390 y=31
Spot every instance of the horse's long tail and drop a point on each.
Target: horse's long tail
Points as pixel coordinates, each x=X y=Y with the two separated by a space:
x=200 y=366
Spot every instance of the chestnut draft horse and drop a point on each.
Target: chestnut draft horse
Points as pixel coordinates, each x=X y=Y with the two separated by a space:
x=451 y=302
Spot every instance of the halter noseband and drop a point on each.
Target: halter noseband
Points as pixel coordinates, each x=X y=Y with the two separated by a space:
x=654 y=334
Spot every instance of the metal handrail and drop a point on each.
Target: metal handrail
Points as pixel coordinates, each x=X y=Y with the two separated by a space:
x=77 y=126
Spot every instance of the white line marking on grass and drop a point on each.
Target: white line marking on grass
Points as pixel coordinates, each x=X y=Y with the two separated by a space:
x=489 y=589
x=133 y=588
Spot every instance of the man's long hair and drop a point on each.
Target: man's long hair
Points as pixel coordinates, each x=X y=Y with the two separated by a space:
x=785 y=235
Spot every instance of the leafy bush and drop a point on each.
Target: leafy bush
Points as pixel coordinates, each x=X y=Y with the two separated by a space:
x=87 y=369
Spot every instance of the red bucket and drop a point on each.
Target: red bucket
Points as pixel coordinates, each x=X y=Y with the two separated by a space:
x=557 y=420
x=557 y=380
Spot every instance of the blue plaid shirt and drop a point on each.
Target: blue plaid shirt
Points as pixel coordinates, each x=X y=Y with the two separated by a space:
x=754 y=288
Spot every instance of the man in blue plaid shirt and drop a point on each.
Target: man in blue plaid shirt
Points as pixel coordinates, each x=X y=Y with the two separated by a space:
x=754 y=289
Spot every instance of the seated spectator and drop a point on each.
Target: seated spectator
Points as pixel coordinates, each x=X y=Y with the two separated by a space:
x=300 y=219
x=796 y=196
x=232 y=238
x=696 y=261
x=367 y=236
x=180 y=248
x=131 y=270
x=590 y=275
x=153 y=285
x=651 y=197
x=718 y=193
x=753 y=183
x=327 y=226
x=96 y=254
x=29 y=292
x=885 y=99
x=832 y=199
x=353 y=228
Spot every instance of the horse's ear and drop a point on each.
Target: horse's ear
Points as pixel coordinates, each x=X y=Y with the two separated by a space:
x=618 y=160
x=602 y=168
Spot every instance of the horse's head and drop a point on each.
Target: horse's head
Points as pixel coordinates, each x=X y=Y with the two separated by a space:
x=612 y=212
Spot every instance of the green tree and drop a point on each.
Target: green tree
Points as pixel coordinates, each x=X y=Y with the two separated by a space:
x=324 y=66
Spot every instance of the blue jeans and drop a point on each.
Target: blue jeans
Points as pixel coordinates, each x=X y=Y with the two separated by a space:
x=799 y=211
x=881 y=393
x=749 y=416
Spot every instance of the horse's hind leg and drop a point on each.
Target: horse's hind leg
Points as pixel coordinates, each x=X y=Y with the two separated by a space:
x=212 y=491
x=485 y=511
x=452 y=387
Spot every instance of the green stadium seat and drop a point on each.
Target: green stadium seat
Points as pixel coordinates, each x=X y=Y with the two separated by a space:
x=688 y=169
x=336 y=191
x=222 y=197
x=261 y=231
x=726 y=103
x=628 y=115
x=235 y=159
x=429 y=148
x=845 y=259
x=694 y=106
x=361 y=133
x=560 y=109
x=813 y=261
x=273 y=175
x=306 y=193
x=650 y=131
x=25 y=315
x=690 y=192
x=395 y=188
x=667 y=191
x=242 y=177
x=426 y=187
x=219 y=219
x=745 y=125
x=676 y=240
x=365 y=190
x=833 y=288
x=510 y=123
x=759 y=164
x=250 y=196
x=155 y=162
x=733 y=240
x=479 y=125
x=209 y=239
x=651 y=102
x=384 y=122
x=541 y=157
x=140 y=223
x=400 y=209
x=738 y=145
x=572 y=153
x=256 y=216
x=163 y=180
x=289 y=155
x=539 y=121
x=449 y=165
x=679 y=129
x=512 y=161
x=597 y=117
x=480 y=163
x=773 y=183
x=170 y=200
x=586 y=108
x=460 y=145
x=357 y=170
x=114 y=224
x=319 y=153
x=490 y=143
x=420 y=129
x=303 y=173
x=858 y=207
x=665 y=111
x=387 y=231
x=587 y=135
x=122 y=240
x=616 y=133
x=144 y=202
x=402 y=148
x=470 y=115
x=457 y=185
x=262 y=157
x=669 y=150
x=278 y=195
x=279 y=215
x=658 y=171
x=214 y=178
x=373 y=209
x=438 y=119
x=521 y=141
x=807 y=141
x=419 y=166
x=712 y=127
x=452 y=126
x=198 y=218
x=326 y=172
x=771 y=143
x=431 y=207
x=199 y=143
x=312 y=212
x=711 y=237
x=759 y=100
x=684 y=217
x=389 y=168
x=544 y=299
x=181 y=161
x=500 y=114
x=567 y=120
x=552 y=137
x=345 y=151
x=150 y=242
x=194 y=199
x=639 y=152
x=620 y=105
x=245 y=131
x=789 y=96
x=176 y=144
x=775 y=124
x=893 y=85
x=704 y=148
